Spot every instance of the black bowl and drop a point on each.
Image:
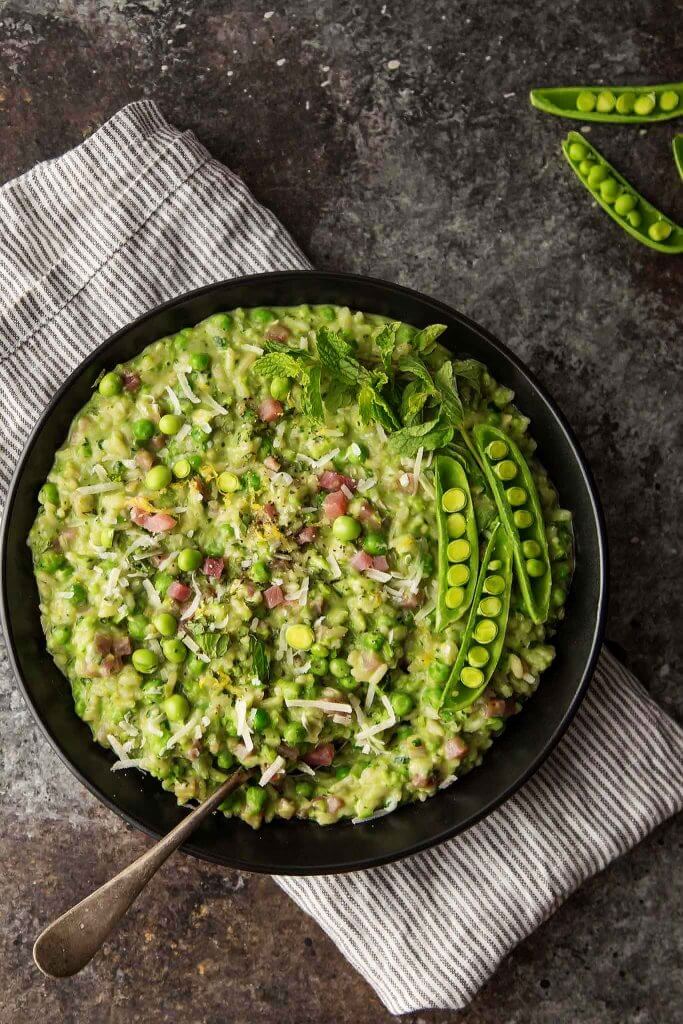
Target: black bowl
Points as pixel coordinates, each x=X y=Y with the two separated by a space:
x=298 y=847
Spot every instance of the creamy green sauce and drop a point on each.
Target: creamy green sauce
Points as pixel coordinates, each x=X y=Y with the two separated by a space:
x=240 y=569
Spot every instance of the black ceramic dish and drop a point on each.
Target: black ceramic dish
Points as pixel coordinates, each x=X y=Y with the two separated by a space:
x=300 y=847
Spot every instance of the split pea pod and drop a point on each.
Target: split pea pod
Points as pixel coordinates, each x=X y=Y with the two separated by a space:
x=619 y=199
x=458 y=541
x=678 y=153
x=484 y=636
x=520 y=511
x=622 y=104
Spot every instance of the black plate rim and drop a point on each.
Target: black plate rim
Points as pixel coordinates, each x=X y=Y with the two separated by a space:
x=553 y=738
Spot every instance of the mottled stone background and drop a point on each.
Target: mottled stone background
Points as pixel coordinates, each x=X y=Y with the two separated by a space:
x=394 y=139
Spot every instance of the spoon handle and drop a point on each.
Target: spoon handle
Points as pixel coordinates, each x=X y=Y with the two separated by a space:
x=70 y=942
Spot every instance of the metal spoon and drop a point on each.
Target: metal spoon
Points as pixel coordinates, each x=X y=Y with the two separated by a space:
x=70 y=942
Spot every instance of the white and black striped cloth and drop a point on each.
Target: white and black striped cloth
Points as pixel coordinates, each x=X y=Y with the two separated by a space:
x=139 y=213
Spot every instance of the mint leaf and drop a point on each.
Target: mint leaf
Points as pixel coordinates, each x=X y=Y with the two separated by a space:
x=214 y=644
x=335 y=355
x=470 y=372
x=425 y=340
x=430 y=435
x=386 y=343
x=451 y=406
x=413 y=401
x=312 y=401
x=279 y=364
x=414 y=367
x=259 y=658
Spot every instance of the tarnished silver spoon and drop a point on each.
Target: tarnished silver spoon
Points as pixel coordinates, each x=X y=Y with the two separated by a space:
x=70 y=942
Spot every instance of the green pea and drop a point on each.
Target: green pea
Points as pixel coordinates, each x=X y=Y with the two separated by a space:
x=490 y=606
x=561 y=571
x=454 y=499
x=348 y=683
x=372 y=641
x=300 y=637
x=577 y=152
x=402 y=703
x=356 y=453
x=319 y=666
x=200 y=361
x=320 y=651
x=634 y=218
x=585 y=167
x=137 y=626
x=458 y=550
x=225 y=760
x=176 y=707
x=535 y=567
x=165 y=623
x=181 y=469
x=228 y=483
x=485 y=631
x=644 y=105
x=195 y=461
x=668 y=101
x=516 y=495
x=522 y=519
x=145 y=661
x=339 y=667
x=262 y=317
x=279 y=387
x=327 y=313
x=342 y=771
x=606 y=102
x=432 y=696
x=624 y=204
x=48 y=494
x=625 y=102
x=304 y=790
x=456 y=525
x=374 y=543
x=494 y=565
x=256 y=798
x=496 y=450
x=659 y=231
x=194 y=666
x=558 y=596
x=494 y=585
x=505 y=470
x=157 y=478
x=531 y=549
x=346 y=528
x=189 y=559
x=477 y=657
x=170 y=424
x=454 y=597
x=585 y=101
x=458 y=575
x=261 y=719
x=175 y=651
x=51 y=561
x=223 y=321
x=609 y=190
x=259 y=572
x=252 y=479
x=79 y=595
x=110 y=385
x=294 y=733
x=106 y=537
x=61 y=635
x=596 y=175
x=471 y=677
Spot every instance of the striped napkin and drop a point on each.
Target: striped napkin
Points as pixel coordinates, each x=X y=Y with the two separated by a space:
x=141 y=212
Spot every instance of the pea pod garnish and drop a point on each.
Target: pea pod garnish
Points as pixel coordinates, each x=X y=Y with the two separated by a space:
x=484 y=636
x=622 y=104
x=520 y=511
x=458 y=541
x=619 y=199
x=678 y=153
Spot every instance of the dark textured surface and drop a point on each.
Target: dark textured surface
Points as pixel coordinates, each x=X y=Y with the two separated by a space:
x=436 y=174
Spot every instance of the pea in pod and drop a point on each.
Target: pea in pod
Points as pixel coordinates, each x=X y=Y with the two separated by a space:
x=622 y=104
x=678 y=153
x=458 y=541
x=619 y=199
x=520 y=511
x=484 y=636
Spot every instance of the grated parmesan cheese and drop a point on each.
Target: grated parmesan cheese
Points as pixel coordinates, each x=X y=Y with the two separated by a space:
x=185 y=386
x=98 y=488
x=319 y=463
x=272 y=770
x=378 y=576
x=154 y=598
x=173 y=401
x=329 y=706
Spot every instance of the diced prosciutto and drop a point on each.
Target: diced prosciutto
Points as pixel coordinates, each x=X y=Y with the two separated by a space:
x=122 y=646
x=331 y=481
x=158 y=522
x=334 y=804
x=321 y=756
x=131 y=381
x=361 y=561
x=421 y=781
x=179 y=591
x=289 y=753
x=270 y=462
x=270 y=409
x=103 y=643
x=411 y=601
x=273 y=596
x=335 y=505
x=213 y=567
x=455 y=748
x=406 y=483
x=110 y=665
x=380 y=563
x=270 y=510
x=277 y=332
x=249 y=587
x=157 y=442
x=496 y=707
x=367 y=515
x=144 y=459
x=307 y=535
